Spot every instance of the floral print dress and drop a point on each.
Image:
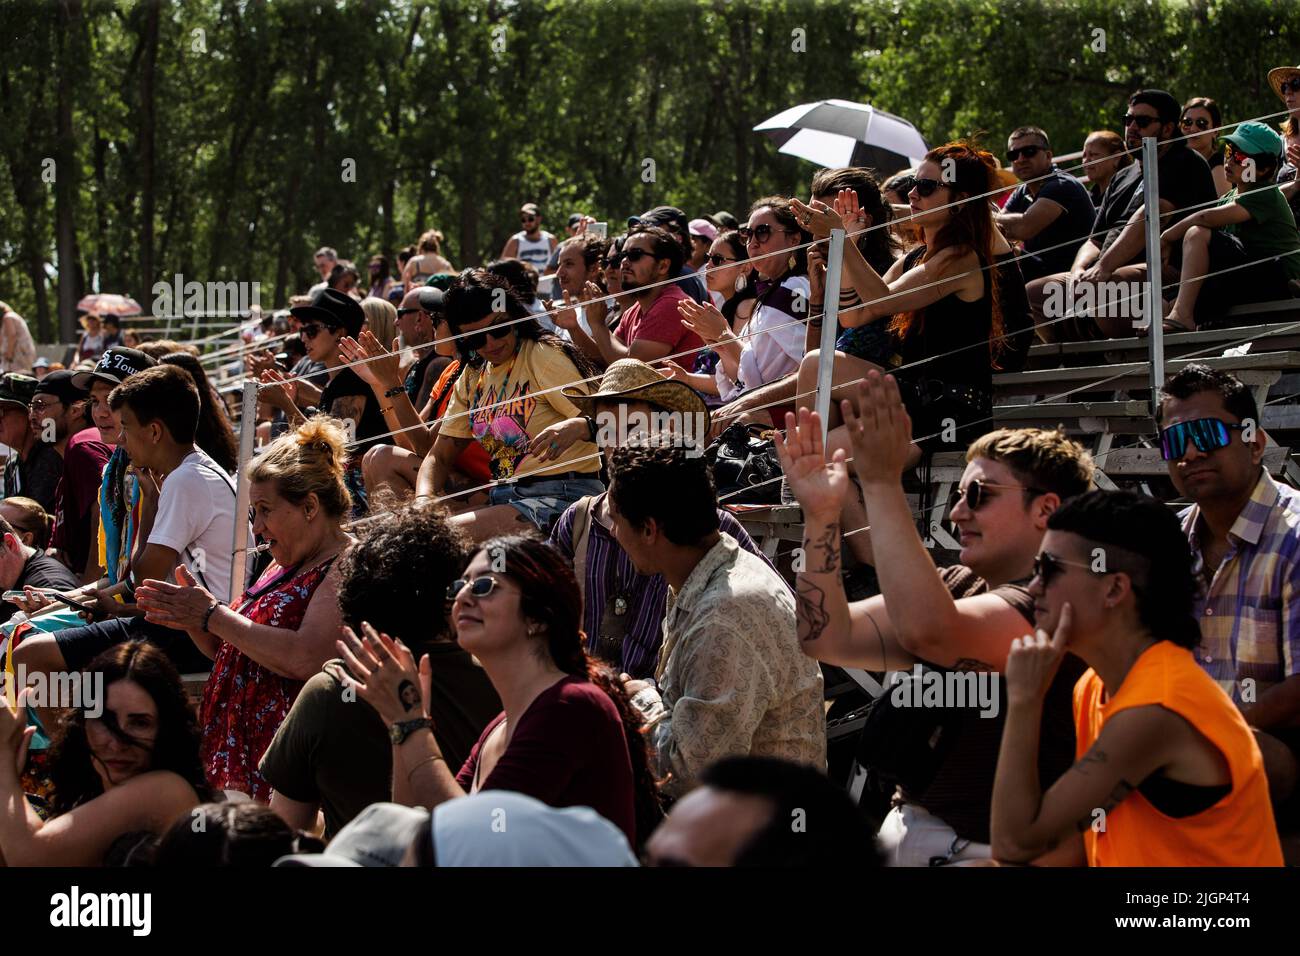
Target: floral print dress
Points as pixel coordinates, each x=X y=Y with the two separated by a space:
x=244 y=703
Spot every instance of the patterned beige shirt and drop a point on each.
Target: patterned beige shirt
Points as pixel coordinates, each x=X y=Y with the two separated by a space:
x=732 y=677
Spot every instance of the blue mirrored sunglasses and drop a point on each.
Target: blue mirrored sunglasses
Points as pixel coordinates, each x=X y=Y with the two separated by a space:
x=1208 y=434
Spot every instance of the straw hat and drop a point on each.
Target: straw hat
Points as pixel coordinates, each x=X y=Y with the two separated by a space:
x=1278 y=74
x=636 y=381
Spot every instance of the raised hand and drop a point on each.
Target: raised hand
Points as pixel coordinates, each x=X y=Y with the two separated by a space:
x=817 y=217
x=881 y=432
x=384 y=674
x=852 y=216
x=819 y=485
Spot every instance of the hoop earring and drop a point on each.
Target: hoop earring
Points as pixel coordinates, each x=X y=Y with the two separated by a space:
x=740 y=283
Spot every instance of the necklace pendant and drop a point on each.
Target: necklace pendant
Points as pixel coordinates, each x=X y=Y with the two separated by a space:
x=620 y=606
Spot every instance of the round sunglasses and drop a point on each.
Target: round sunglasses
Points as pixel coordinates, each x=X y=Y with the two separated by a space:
x=976 y=496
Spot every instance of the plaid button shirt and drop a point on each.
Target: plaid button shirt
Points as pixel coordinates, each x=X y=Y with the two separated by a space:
x=1250 y=612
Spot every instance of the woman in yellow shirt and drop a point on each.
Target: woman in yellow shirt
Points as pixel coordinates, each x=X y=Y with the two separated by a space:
x=1168 y=772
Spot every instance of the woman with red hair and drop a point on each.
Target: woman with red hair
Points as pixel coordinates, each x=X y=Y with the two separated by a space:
x=947 y=303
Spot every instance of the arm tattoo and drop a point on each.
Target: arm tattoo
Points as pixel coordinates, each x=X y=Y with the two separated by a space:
x=348 y=406
x=1091 y=759
x=1122 y=790
x=812 y=615
x=828 y=546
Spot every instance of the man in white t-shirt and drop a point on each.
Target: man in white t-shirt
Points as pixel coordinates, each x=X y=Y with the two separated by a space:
x=531 y=243
x=187 y=517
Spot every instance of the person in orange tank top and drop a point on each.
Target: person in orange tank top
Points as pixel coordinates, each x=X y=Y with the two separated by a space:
x=1168 y=772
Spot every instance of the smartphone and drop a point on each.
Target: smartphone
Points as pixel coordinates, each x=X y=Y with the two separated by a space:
x=600 y=229
x=49 y=593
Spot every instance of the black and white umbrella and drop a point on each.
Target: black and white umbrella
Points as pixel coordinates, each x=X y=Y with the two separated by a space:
x=840 y=133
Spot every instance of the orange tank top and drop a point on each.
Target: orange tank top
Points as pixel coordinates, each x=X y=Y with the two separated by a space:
x=1238 y=830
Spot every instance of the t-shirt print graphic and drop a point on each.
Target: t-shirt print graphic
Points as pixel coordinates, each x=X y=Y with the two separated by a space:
x=503 y=430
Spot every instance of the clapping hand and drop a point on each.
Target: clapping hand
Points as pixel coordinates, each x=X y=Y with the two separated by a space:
x=277 y=391
x=819 y=485
x=384 y=675
x=375 y=365
x=881 y=431
x=704 y=320
x=817 y=217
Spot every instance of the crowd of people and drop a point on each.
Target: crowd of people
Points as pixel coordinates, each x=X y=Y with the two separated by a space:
x=487 y=570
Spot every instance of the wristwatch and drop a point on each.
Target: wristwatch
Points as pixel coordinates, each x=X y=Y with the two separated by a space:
x=399 y=731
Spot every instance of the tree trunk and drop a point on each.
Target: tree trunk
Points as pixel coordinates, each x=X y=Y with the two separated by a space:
x=148 y=119
x=65 y=153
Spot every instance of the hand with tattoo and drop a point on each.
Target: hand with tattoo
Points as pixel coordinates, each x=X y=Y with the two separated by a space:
x=819 y=485
x=384 y=675
x=1033 y=661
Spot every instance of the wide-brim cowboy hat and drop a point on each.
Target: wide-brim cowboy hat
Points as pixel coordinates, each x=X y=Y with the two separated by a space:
x=1278 y=74
x=634 y=380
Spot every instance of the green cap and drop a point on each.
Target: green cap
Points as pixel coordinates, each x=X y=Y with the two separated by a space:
x=1256 y=139
x=17 y=389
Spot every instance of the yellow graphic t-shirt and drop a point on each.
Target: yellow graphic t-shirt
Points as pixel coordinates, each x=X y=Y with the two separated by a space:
x=509 y=404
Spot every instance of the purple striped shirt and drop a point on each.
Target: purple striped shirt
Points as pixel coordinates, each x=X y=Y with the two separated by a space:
x=610 y=574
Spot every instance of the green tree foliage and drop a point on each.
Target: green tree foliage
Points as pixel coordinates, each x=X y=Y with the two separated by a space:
x=212 y=138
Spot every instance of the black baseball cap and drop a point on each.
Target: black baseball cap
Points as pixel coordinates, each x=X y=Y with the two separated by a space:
x=16 y=389
x=115 y=366
x=334 y=309
x=662 y=216
x=60 y=384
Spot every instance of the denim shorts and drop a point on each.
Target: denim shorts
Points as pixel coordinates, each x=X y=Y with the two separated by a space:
x=542 y=501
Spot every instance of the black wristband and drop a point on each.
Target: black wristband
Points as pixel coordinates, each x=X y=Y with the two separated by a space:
x=395 y=390
x=591 y=424
x=208 y=616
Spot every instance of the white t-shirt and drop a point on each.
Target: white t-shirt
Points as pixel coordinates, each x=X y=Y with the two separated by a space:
x=196 y=519
x=773 y=340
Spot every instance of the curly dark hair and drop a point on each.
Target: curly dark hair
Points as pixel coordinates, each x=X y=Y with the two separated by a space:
x=214 y=435
x=1166 y=589
x=1196 y=378
x=667 y=483
x=413 y=551
x=550 y=597
x=474 y=295
x=176 y=748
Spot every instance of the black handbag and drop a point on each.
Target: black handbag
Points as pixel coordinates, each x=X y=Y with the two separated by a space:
x=745 y=466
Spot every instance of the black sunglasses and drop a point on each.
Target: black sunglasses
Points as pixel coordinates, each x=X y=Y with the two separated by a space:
x=477 y=340
x=1200 y=122
x=1208 y=434
x=402 y=312
x=925 y=187
x=1141 y=122
x=1290 y=86
x=310 y=330
x=1048 y=567
x=1029 y=152
x=636 y=255
x=479 y=587
x=762 y=233
x=613 y=262
x=716 y=260
x=976 y=496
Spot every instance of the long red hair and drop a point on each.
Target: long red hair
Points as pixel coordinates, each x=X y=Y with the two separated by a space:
x=969 y=227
